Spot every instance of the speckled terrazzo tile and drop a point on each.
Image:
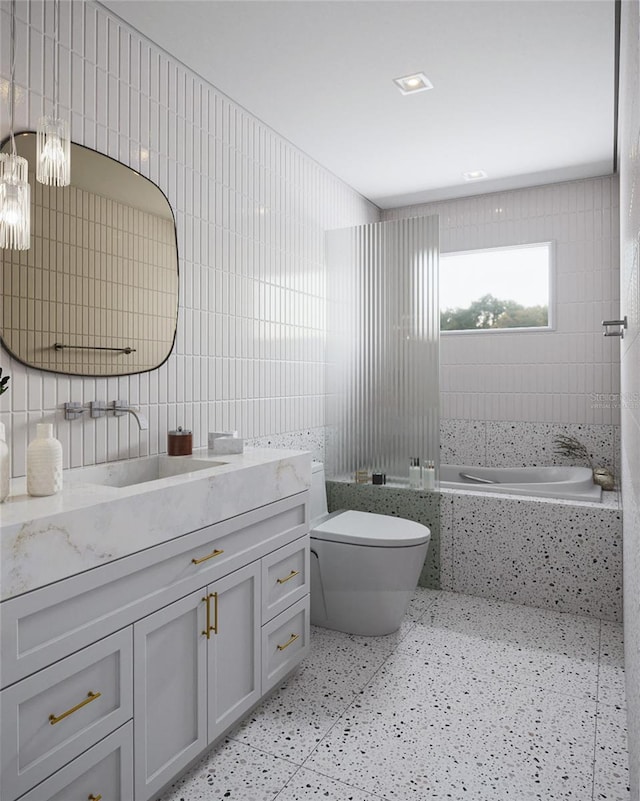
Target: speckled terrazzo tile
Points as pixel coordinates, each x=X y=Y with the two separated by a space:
x=232 y=771
x=611 y=773
x=524 y=444
x=560 y=633
x=462 y=442
x=291 y=721
x=563 y=557
x=309 y=439
x=307 y=784
x=417 y=734
x=531 y=661
x=420 y=602
x=446 y=542
x=611 y=689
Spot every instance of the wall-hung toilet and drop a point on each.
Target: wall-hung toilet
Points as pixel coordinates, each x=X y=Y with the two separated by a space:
x=364 y=567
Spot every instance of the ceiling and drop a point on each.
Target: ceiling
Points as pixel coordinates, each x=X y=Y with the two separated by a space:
x=522 y=89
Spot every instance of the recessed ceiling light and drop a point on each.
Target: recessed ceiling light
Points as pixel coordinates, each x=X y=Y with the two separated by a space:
x=408 y=84
x=474 y=175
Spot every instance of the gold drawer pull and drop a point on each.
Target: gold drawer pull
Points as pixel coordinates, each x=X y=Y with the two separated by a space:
x=291 y=640
x=53 y=719
x=210 y=628
x=93 y=797
x=289 y=577
x=204 y=558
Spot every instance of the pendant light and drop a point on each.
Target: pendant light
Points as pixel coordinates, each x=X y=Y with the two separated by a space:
x=15 y=192
x=53 y=159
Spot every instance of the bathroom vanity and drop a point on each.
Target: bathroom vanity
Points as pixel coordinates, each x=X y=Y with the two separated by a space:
x=144 y=611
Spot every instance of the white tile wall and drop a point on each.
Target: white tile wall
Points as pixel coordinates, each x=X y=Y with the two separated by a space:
x=548 y=376
x=629 y=158
x=251 y=212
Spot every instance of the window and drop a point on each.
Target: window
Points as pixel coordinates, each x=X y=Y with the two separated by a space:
x=496 y=289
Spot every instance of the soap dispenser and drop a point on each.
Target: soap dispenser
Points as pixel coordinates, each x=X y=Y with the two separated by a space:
x=44 y=462
x=4 y=465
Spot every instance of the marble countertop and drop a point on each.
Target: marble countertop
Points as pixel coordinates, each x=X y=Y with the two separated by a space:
x=86 y=525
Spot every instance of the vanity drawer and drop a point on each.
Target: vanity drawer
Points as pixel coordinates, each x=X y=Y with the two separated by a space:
x=53 y=716
x=48 y=624
x=285 y=577
x=285 y=642
x=103 y=772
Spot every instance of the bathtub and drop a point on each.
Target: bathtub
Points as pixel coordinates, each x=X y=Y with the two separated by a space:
x=568 y=483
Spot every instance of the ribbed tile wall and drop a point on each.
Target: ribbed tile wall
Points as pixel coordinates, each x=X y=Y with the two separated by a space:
x=383 y=340
x=629 y=150
x=570 y=374
x=251 y=213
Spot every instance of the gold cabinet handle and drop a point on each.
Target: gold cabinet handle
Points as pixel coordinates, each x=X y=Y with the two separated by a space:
x=93 y=797
x=53 y=719
x=209 y=628
x=214 y=628
x=209 y=556
x=291 y=640
x=289 y=577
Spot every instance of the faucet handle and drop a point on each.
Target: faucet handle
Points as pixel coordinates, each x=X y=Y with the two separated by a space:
x=120 y=407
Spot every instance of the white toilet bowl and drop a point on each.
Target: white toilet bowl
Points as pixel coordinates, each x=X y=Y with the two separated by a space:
x=364 y=567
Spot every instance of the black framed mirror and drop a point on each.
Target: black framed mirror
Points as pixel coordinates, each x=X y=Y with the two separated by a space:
x=96 y=294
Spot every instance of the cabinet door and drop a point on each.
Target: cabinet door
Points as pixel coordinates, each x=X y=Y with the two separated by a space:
x=170 y=690
x=234 y=647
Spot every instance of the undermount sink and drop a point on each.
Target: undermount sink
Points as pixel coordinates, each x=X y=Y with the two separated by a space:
x=136 y=471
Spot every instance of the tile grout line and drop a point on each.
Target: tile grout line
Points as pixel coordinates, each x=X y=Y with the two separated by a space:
x=595 y=726
x=341 y=715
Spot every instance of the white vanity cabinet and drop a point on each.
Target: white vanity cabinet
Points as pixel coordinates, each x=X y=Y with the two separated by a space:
x=197 y=672
x=145 y=661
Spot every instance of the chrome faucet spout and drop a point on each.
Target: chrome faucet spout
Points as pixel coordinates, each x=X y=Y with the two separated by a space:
x=122 y=407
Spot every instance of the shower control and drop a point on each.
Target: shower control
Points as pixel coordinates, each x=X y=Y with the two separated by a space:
x=622 y=324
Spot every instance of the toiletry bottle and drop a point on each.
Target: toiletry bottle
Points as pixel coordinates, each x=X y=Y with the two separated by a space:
x=44 y=462
x=429 y=475
x=415 y=476
x=4 y=465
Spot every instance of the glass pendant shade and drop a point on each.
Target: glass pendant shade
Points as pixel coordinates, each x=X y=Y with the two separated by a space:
x=53 y=157
x=15 y=195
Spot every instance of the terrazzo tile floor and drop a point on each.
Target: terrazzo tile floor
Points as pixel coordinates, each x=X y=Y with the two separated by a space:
x=472 y=699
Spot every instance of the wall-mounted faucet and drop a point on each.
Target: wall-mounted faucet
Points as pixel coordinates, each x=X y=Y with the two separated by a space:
x=74 y=409
x=121 y=407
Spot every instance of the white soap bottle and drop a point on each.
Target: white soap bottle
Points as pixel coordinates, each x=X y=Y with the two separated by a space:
x=4 y=465
x=44 y=462
x=415 y=476
x=429 y=475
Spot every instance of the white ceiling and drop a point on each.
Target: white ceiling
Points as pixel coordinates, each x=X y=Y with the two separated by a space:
x=523 y=89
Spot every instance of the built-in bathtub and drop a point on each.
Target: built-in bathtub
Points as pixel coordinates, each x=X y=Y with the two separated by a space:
x=567 y=483
x=553 y=548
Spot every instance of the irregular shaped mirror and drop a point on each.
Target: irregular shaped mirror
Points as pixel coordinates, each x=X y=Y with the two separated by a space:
x=97 y=292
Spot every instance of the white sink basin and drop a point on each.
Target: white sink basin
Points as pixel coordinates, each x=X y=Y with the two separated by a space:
x=136 y=471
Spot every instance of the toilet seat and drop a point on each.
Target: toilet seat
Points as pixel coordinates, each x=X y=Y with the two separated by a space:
x=366 y=528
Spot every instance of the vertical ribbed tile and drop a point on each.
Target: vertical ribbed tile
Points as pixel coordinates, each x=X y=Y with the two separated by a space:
x=251 y=213
x=383 y=346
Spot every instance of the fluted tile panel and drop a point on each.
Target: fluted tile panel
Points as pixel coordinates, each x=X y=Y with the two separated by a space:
x=383 y=346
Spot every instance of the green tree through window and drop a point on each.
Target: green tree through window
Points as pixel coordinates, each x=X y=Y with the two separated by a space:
x=495 y=288
x=490 y=312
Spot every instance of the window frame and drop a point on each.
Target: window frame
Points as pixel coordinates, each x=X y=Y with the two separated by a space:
x=551 y=308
